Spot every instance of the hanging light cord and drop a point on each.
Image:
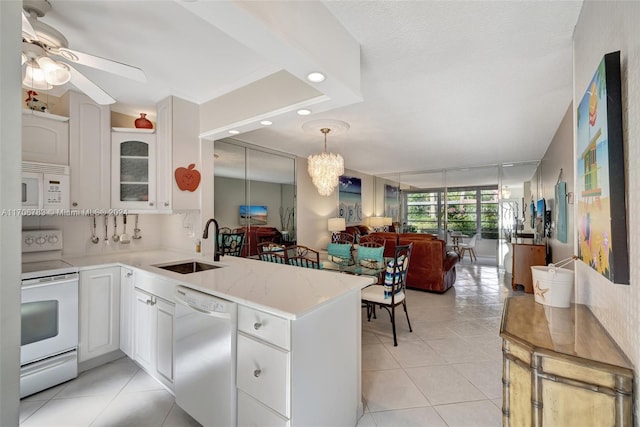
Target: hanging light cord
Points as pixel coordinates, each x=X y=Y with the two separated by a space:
x=325 y=131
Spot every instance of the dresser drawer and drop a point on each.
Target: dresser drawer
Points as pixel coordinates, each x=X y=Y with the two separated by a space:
x=265 y=326
x=263 y=372
x=252 y=413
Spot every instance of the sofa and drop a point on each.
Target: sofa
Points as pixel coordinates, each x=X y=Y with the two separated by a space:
x=257 y=234
x=432 y=267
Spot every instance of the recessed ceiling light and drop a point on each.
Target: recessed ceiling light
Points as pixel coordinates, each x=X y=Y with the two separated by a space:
x=266 y=122
x=304 y=112
x=234 y=132
x=315 y=77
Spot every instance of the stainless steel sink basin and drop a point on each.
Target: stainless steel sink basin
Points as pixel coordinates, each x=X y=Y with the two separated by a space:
x=188 y=267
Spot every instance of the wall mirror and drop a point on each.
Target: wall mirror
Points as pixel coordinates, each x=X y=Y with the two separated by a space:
x=254 y=188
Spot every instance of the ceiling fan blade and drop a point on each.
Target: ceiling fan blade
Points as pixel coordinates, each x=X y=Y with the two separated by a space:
x=89 y=87
x=27 y=28
x=103 y=64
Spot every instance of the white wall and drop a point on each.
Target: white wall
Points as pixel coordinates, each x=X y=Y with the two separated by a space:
x=10 y=157
x=558 y=156
x=314 y=210
x=605 y=27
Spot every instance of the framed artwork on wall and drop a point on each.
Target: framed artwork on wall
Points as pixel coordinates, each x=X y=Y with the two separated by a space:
x=600 y=192
x=392 y=202
x=350 y=200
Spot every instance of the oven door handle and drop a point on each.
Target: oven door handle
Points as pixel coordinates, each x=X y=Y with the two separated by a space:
x=58 y=280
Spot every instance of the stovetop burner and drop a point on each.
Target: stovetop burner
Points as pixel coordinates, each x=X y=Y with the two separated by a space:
x=31 y=270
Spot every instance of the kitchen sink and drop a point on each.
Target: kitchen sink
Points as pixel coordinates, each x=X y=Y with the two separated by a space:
x=188 y=267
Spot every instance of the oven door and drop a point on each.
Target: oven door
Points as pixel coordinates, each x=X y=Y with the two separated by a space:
x=49 y=316
x=31 y=190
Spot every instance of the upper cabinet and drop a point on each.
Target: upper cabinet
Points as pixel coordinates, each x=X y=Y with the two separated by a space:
x=178 y=148
x=89 y=152
x=133 y=175
x=45 y=138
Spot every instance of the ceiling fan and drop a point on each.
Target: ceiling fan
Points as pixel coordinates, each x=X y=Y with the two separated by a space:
x=42 y=48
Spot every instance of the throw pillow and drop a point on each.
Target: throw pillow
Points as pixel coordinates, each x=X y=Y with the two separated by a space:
x=370 y=254
x=340 y=250
x=393 y=276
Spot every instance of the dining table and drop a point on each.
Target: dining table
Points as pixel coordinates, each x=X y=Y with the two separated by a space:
x=456 y=239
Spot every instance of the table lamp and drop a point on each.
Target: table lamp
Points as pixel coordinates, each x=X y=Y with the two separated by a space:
x=336 y=225
x=386 y=222
x=376 y=222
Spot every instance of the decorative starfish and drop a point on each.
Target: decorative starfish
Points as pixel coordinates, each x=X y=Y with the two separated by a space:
x=540 y=291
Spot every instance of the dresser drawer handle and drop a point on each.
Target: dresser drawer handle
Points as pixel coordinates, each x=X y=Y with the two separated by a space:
x=257 y=325
x=257 y=373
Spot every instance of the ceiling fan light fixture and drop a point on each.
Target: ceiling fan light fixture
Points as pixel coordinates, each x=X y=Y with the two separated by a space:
x=34 y=77
x=55 y=73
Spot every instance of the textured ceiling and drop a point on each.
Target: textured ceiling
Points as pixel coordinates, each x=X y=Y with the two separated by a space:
x=444 y=84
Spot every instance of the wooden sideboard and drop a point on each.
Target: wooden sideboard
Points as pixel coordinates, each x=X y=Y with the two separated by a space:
x=561 y=368
x=524 y=256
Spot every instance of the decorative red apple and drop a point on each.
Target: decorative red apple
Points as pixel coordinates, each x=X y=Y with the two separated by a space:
x=187 y=178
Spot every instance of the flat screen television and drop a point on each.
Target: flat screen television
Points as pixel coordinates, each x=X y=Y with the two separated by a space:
x=253 y=215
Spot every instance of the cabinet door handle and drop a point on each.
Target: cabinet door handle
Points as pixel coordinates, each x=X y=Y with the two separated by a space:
x=166 y=204
x=150 y=203
x=149 y=302
x=129 y=274
x=257 y=325
x=74 y=204
x=257 y=373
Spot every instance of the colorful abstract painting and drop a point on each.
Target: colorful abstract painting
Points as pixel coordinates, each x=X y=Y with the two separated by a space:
x=350 y=200
x=600 y=185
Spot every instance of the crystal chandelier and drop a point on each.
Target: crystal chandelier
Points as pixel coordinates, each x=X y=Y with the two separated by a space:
x=325 y=168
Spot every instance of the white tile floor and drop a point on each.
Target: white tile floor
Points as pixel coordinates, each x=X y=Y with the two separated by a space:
x=446 y=373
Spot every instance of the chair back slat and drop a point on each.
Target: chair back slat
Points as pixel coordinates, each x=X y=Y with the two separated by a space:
x=231 y=243
x=302 y=256
x=272 y=252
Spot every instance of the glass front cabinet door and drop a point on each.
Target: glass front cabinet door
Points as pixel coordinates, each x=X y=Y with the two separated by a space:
x=134 y=170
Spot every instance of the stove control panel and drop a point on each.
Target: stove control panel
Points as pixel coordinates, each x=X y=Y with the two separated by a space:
x=41 y=240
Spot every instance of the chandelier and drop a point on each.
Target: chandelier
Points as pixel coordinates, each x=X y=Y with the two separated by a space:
x=325 y=168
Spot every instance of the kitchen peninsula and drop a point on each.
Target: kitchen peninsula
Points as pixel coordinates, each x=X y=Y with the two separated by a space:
x=309 y=319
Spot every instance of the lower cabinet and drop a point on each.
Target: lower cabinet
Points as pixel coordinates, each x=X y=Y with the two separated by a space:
x=153 y=335
x=99 y=312
x=126 y=311
x=300 y=372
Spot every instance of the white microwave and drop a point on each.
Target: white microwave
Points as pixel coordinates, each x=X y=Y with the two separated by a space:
x=45 y=186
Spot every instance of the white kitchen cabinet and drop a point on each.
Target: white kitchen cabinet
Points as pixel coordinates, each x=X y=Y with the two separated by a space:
x=177 y=130
x=89 y=151
x=99 y=312
x=45 y=138
x=133 y=164
x=153 y=335
x=299 y=372
x=126 y=311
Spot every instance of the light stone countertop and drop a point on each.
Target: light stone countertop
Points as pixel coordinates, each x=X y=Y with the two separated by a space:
x=283 y=290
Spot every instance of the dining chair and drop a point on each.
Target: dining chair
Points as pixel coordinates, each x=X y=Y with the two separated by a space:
x=372 y=238
x=340 y=252
x=370 y=253
x=393 y=291
x=302 y=256
x=271 y=252
x=231 y=243
x=468 y=247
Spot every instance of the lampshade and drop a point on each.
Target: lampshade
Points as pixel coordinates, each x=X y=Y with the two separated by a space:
x=55 y=73
x=376 y=221
x=387 y=220
x=325 y=168
x=336 y=224
x=34 y=77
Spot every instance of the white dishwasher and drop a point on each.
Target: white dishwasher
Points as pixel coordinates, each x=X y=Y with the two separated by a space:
x=205 y=357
